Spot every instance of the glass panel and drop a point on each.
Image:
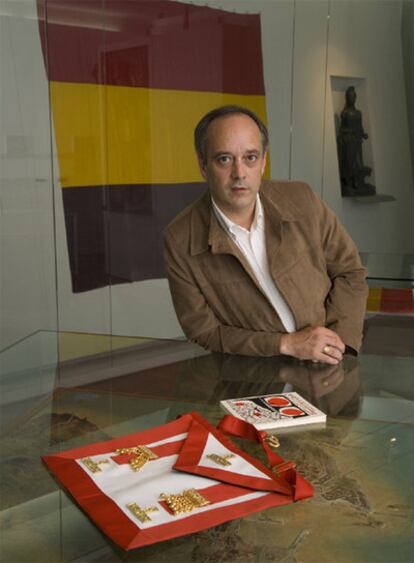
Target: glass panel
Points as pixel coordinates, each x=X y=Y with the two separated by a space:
x=88 y=87
x=109 y=202
x=28 y=281
x=77 y=102
x=28 y=333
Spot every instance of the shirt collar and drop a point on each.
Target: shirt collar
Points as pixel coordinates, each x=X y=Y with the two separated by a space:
x=232 y=227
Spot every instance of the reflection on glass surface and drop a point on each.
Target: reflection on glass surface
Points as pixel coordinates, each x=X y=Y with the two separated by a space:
x=361 y=460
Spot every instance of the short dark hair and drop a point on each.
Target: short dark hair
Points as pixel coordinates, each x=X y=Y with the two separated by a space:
x=200 y=132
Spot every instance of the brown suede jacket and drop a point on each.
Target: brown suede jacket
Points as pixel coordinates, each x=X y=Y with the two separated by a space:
x=312 y=260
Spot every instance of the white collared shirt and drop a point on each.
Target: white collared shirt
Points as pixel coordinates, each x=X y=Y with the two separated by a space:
x=253 y=246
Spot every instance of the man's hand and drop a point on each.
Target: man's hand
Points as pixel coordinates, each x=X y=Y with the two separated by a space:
x=315 y=343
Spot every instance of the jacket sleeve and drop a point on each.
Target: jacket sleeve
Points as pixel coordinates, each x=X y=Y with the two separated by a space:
x=346 y=302
x=198 y=320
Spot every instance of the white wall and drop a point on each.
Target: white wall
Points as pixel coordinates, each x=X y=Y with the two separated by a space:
x=304 y=43
x=308 y=92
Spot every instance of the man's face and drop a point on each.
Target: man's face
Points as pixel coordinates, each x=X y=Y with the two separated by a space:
x=234 y=164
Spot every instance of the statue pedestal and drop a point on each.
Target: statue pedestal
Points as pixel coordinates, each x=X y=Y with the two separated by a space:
x=377 y=198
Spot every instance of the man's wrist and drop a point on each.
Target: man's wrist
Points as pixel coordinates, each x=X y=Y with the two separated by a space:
x=283 y=345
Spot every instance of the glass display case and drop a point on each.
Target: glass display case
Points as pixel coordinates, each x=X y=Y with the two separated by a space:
x=99 y=99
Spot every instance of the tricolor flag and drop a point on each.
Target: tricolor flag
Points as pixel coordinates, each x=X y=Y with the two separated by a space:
x=129 y=80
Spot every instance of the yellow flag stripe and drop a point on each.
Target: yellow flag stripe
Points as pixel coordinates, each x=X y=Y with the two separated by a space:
x=124 y=135
x=374 y=299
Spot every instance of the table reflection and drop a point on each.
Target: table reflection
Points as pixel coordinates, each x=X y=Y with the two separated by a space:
x=360 y=463
x=334 y=389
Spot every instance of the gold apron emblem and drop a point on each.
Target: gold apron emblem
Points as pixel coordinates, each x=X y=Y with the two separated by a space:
x=141 y=456
x=187 y=501
x=141 y=513
x=221 y=459
x=93 y=466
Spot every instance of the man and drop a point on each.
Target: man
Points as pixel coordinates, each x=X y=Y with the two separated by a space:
x=256 y=267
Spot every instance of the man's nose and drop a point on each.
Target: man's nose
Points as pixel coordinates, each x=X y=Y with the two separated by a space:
x=238 y=169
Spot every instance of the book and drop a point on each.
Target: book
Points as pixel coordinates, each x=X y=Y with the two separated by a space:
x=282 y=410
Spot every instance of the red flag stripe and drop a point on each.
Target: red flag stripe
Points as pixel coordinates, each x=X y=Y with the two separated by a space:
x=156 y=44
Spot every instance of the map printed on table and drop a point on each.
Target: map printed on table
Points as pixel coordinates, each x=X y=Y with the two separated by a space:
x=274 y=411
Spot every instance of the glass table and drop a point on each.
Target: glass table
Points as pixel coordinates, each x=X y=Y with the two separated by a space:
x=361 y=463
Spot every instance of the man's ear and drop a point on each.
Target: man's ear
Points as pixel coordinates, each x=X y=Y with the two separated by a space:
x=264 y=162
x=203 y=167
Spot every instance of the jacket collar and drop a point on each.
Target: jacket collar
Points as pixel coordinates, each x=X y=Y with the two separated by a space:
x=207 y=233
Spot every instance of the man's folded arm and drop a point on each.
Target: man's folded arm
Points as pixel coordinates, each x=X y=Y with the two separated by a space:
x=346 y=302
x=199 y=322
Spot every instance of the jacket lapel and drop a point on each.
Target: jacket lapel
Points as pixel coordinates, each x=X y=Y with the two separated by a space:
x=208 y=235
x=273 y=232
x=221 y=243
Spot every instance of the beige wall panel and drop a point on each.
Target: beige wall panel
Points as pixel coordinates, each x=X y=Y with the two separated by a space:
x=365 y=42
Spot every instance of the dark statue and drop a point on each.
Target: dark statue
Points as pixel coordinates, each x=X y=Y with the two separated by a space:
x=351 y=134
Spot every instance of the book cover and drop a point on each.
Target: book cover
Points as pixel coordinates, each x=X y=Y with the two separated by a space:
x=281 y=410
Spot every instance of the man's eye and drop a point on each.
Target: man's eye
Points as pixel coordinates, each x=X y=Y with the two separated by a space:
x=251 y=157
x=223 y=159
